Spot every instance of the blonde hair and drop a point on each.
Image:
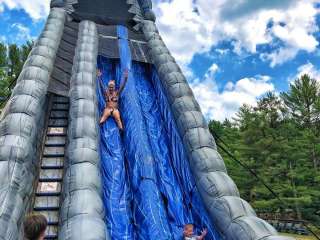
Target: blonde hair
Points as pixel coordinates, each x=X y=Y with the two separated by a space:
x=112 y=82
x=188 y=225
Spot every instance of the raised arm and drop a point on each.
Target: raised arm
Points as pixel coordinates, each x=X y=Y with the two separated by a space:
x=123 y=84
x=203 y=234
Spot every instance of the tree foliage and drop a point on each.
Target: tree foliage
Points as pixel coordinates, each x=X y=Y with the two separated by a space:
x=12 y=58
x=279 y=140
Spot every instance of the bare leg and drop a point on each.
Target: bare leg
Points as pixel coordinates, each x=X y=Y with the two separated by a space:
x=117 y=118
x=106 y=114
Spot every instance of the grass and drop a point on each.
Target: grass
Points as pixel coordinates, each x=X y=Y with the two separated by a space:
x=299 y=237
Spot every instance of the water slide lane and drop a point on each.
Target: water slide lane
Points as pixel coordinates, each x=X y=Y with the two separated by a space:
x=116 y=194
x=179 y=162
x=177 y=212
x=148 y=209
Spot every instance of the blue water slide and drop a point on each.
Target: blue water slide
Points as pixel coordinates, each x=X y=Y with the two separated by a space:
x=149 y=192
x=116 y=192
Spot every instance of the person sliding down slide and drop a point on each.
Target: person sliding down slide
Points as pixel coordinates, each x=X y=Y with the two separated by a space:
x=112 y=98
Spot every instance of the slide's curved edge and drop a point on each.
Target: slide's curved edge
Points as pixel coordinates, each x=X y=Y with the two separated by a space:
x=82 y=211
x=233 y=216
x=22 y=126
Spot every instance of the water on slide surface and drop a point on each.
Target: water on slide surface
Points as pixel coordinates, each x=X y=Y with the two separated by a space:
x=149 y=192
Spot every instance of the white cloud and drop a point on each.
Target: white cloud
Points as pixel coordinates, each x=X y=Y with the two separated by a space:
x=213 y=69
x=3 y=39
x=36 y=9
x=222 y=51
x=23 y=32
x=1 y=8
x=280 y=55
x=193 y=27
x=309 y=69
x=219 y=105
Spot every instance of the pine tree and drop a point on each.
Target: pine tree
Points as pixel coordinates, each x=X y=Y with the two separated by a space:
x=302 y=100
x=273 y=143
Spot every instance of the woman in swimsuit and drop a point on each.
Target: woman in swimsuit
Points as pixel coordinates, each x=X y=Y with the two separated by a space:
x=112 y=98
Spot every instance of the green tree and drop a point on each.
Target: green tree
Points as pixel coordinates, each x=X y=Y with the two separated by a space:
x=12 y=58
x=15 y=60
x=277 y=147
x=4 y=85
x=25 y=50
x=302 y=100
x=3 y=55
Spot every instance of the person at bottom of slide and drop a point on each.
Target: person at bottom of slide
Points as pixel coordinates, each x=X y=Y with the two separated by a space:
x=189 y=235
x=112 y=98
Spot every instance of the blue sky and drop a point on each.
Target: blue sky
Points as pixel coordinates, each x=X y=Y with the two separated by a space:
x=232 y=51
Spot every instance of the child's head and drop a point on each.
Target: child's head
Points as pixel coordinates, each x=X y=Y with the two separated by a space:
x=188 y=230
x=35 y=226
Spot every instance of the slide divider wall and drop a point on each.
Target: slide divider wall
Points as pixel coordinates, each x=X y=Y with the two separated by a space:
x=234 y=217
x=82 y=211
x=22 y=127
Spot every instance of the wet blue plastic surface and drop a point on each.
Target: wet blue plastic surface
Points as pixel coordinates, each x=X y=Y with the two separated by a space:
x=179 y=163
x=149 y=194
x=116 y=194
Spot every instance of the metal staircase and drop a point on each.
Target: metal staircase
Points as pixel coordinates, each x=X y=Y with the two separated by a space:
x=47 y=199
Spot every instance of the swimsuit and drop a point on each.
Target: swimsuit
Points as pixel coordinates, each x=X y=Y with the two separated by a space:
x=112 y=98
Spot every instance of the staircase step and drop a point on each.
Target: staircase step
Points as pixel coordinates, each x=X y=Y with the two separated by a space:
x=47 y=203
x=56 y=134
x=50 y=179
x=56 y=179
x=51 y=173
x=60 y=99
x=51 y=237
x=60 y=114
x=52 y=188
x=60 y=106
x=53 y=155
x=58 y=122
x=61 y=110
x=53 y=150
x=55 y=145
x=53 y=223
x=57 y=117
x=52 y=167
x=56 y=131
x=52 y=140
x=52 y=216
x=52 y=232
x=48 y=194
x=52 y=162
